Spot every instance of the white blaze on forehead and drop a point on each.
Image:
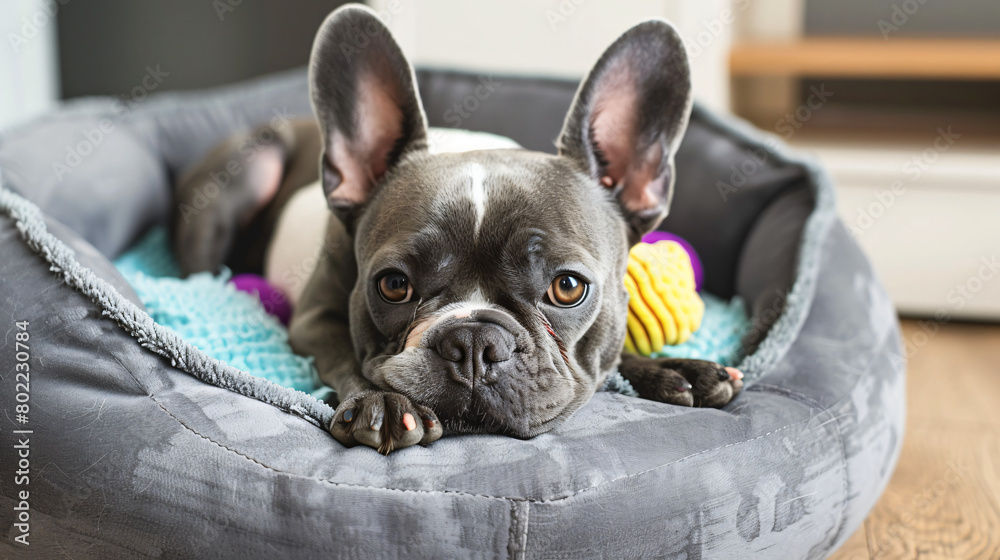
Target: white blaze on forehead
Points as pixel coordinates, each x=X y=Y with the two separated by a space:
x=476 y=297
x=477 y=188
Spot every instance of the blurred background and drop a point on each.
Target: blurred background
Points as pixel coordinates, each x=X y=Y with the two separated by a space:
x=900 y=100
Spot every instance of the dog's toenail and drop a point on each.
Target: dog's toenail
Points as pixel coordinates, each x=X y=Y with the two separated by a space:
x=734 y=373
x=377 y=421
x=684 y=387
x=348 y=415
x=409 y=422
x=429 y=422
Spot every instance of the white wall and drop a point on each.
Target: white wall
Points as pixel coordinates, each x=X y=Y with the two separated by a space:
x=559 y=38
x=29 y=79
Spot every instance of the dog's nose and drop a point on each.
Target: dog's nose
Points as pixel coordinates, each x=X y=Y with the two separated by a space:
x=474 y=349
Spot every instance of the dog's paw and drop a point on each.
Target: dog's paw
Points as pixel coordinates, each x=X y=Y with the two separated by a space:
x=384 y=421
x=682 y=382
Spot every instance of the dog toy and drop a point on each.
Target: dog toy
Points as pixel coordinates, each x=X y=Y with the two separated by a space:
x=274 y=301
x=699 y=271
x=664 y=306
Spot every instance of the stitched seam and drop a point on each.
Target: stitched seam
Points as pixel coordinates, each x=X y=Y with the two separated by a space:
x=524 y=534
x=794 y=395
x=458 y=492
x=177 y=419
x=517 y=535
x=320 y=480
x=455 y=492
x=512 y=531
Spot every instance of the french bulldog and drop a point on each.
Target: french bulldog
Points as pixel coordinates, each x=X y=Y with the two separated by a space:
x=471 y=291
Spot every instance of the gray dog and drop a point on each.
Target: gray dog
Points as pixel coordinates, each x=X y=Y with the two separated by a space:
x=474 y=291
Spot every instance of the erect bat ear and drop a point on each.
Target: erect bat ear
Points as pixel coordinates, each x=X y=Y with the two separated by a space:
x=365 y=98
x=628 y=118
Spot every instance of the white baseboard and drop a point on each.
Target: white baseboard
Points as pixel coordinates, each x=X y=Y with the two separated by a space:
x=928 y=215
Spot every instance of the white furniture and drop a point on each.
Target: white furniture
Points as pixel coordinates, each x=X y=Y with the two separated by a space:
x=29 y=71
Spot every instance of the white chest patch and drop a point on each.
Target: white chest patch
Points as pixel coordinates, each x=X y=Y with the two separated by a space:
x=297 y=241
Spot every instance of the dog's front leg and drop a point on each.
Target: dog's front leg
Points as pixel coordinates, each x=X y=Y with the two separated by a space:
x=366 y=415
x=680 y=381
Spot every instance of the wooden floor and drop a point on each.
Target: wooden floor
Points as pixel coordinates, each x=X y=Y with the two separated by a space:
x=944 y=499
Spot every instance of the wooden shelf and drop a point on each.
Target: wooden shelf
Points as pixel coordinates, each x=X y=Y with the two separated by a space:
x=955 y=59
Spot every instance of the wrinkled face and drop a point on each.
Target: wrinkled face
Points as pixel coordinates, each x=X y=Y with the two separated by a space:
x=490 y=283
x=490 y=288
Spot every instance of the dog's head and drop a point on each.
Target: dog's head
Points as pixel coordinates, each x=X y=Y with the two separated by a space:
x=490 y=283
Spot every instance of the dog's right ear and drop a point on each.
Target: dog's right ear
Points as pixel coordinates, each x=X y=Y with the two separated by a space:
x=364 y=95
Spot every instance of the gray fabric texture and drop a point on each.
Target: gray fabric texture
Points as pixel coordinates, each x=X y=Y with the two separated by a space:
x=139 y=449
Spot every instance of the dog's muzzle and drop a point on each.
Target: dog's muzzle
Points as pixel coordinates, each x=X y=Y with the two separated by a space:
x=490 y=375
x=476 y=350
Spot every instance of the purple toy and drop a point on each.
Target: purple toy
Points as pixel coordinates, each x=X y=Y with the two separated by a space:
x=274 y=301
x=699 y=272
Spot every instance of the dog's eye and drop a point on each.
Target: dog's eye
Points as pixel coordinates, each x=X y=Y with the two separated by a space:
x=567 y=291
x=395 y=287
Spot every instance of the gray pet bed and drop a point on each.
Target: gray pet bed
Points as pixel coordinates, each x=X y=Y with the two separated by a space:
x=143 y=446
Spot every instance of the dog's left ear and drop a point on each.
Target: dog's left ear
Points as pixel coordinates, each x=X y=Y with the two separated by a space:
x=628 y=118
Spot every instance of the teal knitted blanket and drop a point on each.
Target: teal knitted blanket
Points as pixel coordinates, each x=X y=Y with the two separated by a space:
x=232 y=326
x=214 y=316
